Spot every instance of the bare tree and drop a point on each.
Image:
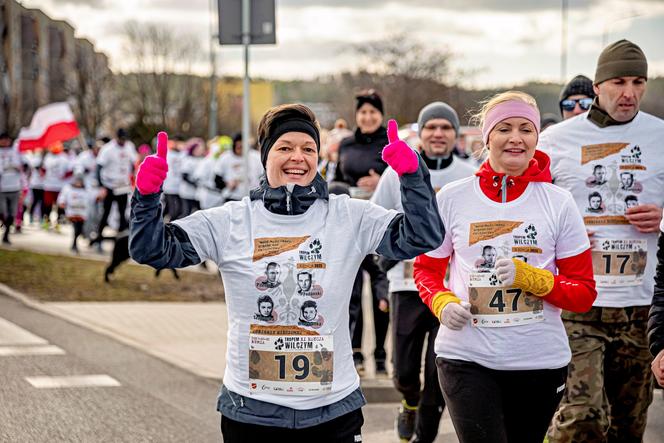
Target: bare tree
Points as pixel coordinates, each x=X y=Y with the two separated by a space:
x=161 y=90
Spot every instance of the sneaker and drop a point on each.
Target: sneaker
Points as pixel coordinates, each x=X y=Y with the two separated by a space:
x=405 y=423
x=45 y=225
x=57 y=228
x=381 y=370
x=358 y=359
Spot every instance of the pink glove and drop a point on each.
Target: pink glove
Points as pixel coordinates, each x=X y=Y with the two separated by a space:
x=152 y=172
x=397 y=153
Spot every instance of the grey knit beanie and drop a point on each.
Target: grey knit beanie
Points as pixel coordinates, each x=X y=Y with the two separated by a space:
x=437 y=110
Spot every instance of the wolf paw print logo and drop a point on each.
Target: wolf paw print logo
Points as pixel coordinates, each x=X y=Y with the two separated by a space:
x=279 y=344
x=606 y=245
x=635 y=152
x=315 y=246
x=531 y=232
x=493 y=280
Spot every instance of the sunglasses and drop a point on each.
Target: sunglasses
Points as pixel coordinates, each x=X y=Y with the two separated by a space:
x=569 y=105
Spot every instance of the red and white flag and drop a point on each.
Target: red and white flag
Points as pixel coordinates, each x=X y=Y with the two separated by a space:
x=51 y=123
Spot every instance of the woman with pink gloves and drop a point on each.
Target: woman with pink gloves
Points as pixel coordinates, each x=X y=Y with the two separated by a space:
x=288 y=255
x=518 y=253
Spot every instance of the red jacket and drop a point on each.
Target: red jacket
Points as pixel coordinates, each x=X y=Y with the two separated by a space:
x=574 y=286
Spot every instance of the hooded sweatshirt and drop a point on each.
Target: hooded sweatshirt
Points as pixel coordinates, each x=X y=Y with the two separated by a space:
x=574 y=286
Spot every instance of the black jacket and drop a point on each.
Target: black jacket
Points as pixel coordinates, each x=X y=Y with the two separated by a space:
x=358 y=154
x=656 y=318
x=417 y=230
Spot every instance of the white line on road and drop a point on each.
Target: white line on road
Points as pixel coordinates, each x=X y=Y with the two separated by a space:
x=74 y=381
x=11 y=334
x=10 y=351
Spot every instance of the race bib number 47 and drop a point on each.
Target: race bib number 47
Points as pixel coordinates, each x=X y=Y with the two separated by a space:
x=289 y=360
x=619 y=262
x=495 y=306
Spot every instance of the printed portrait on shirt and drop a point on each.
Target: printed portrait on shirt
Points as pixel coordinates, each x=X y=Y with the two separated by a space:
x=631 y=201
x=265 y=309
x=595 y=203
x=272 y=277
x=304 y=282
x=309 y=315
x=488 y=260
x=599 y=176
x=629 y=183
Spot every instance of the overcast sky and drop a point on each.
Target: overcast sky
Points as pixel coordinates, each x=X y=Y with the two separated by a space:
x=505 y=41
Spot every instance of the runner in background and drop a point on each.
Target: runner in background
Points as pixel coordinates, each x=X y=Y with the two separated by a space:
x=11 y=166
x=57 y=172
x=576 y=97
x=359 y=166
x=611 y=160
x=74 y=199
x=115 y=165
x=413 y=325
x=288 y=255
x=502 y=352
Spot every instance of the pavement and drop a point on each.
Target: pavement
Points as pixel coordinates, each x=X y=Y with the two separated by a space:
x=189 y=335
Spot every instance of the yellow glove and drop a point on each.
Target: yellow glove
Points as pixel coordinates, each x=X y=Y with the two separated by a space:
x=517 y=273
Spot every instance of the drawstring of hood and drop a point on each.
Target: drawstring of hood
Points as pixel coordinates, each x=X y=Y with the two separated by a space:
x=290 y=199
x=503 y=188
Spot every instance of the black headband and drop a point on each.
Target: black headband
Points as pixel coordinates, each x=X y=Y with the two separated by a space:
x=289 y=125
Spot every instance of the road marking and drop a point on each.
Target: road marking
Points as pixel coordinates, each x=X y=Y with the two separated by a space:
x=10 y=351
x=73 y=381
x=11 y=334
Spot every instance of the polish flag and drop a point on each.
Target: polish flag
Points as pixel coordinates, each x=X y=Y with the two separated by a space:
x=51 y=123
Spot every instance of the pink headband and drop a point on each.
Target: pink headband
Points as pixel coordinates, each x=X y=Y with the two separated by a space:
x=509 y=109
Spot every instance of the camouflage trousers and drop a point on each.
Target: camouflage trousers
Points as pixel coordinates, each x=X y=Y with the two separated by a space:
x=609 y=385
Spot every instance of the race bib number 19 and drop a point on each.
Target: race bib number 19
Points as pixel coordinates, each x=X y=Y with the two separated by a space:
x=495 y=306
x=289 y=360
x=619 y=262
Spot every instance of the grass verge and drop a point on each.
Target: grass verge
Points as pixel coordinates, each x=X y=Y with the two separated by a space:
x=59 y=278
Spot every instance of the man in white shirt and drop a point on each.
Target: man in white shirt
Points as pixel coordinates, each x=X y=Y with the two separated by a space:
x=115 y=164
x=421 y=409
x=610 y=159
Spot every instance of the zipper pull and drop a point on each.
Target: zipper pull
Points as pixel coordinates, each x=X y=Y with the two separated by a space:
x=289 y=191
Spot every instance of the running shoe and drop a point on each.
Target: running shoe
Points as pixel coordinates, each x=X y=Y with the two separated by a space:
x=405 y=423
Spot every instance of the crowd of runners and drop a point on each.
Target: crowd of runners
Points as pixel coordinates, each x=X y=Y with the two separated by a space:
x=527 y=292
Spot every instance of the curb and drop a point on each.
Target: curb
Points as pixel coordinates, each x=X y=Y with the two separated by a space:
x=375 y=390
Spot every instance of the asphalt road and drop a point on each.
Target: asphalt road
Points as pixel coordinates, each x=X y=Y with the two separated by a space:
x=154 y=402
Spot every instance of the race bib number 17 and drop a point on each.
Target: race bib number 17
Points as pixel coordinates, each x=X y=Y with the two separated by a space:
x=496 y=306
x=619 y=262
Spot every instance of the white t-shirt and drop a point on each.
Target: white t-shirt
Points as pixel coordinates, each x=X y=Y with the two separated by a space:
x=10 y=169
x=56 y=167
x=606 y=170
x=36 y=175
x=207 y=193
x=173 y=177
x=388 y=195
x=288 y=281
x=231 y=168
x=117 y=164
x=188 y=166
x=75 y=200
x=87 y=162
x=509 y=330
